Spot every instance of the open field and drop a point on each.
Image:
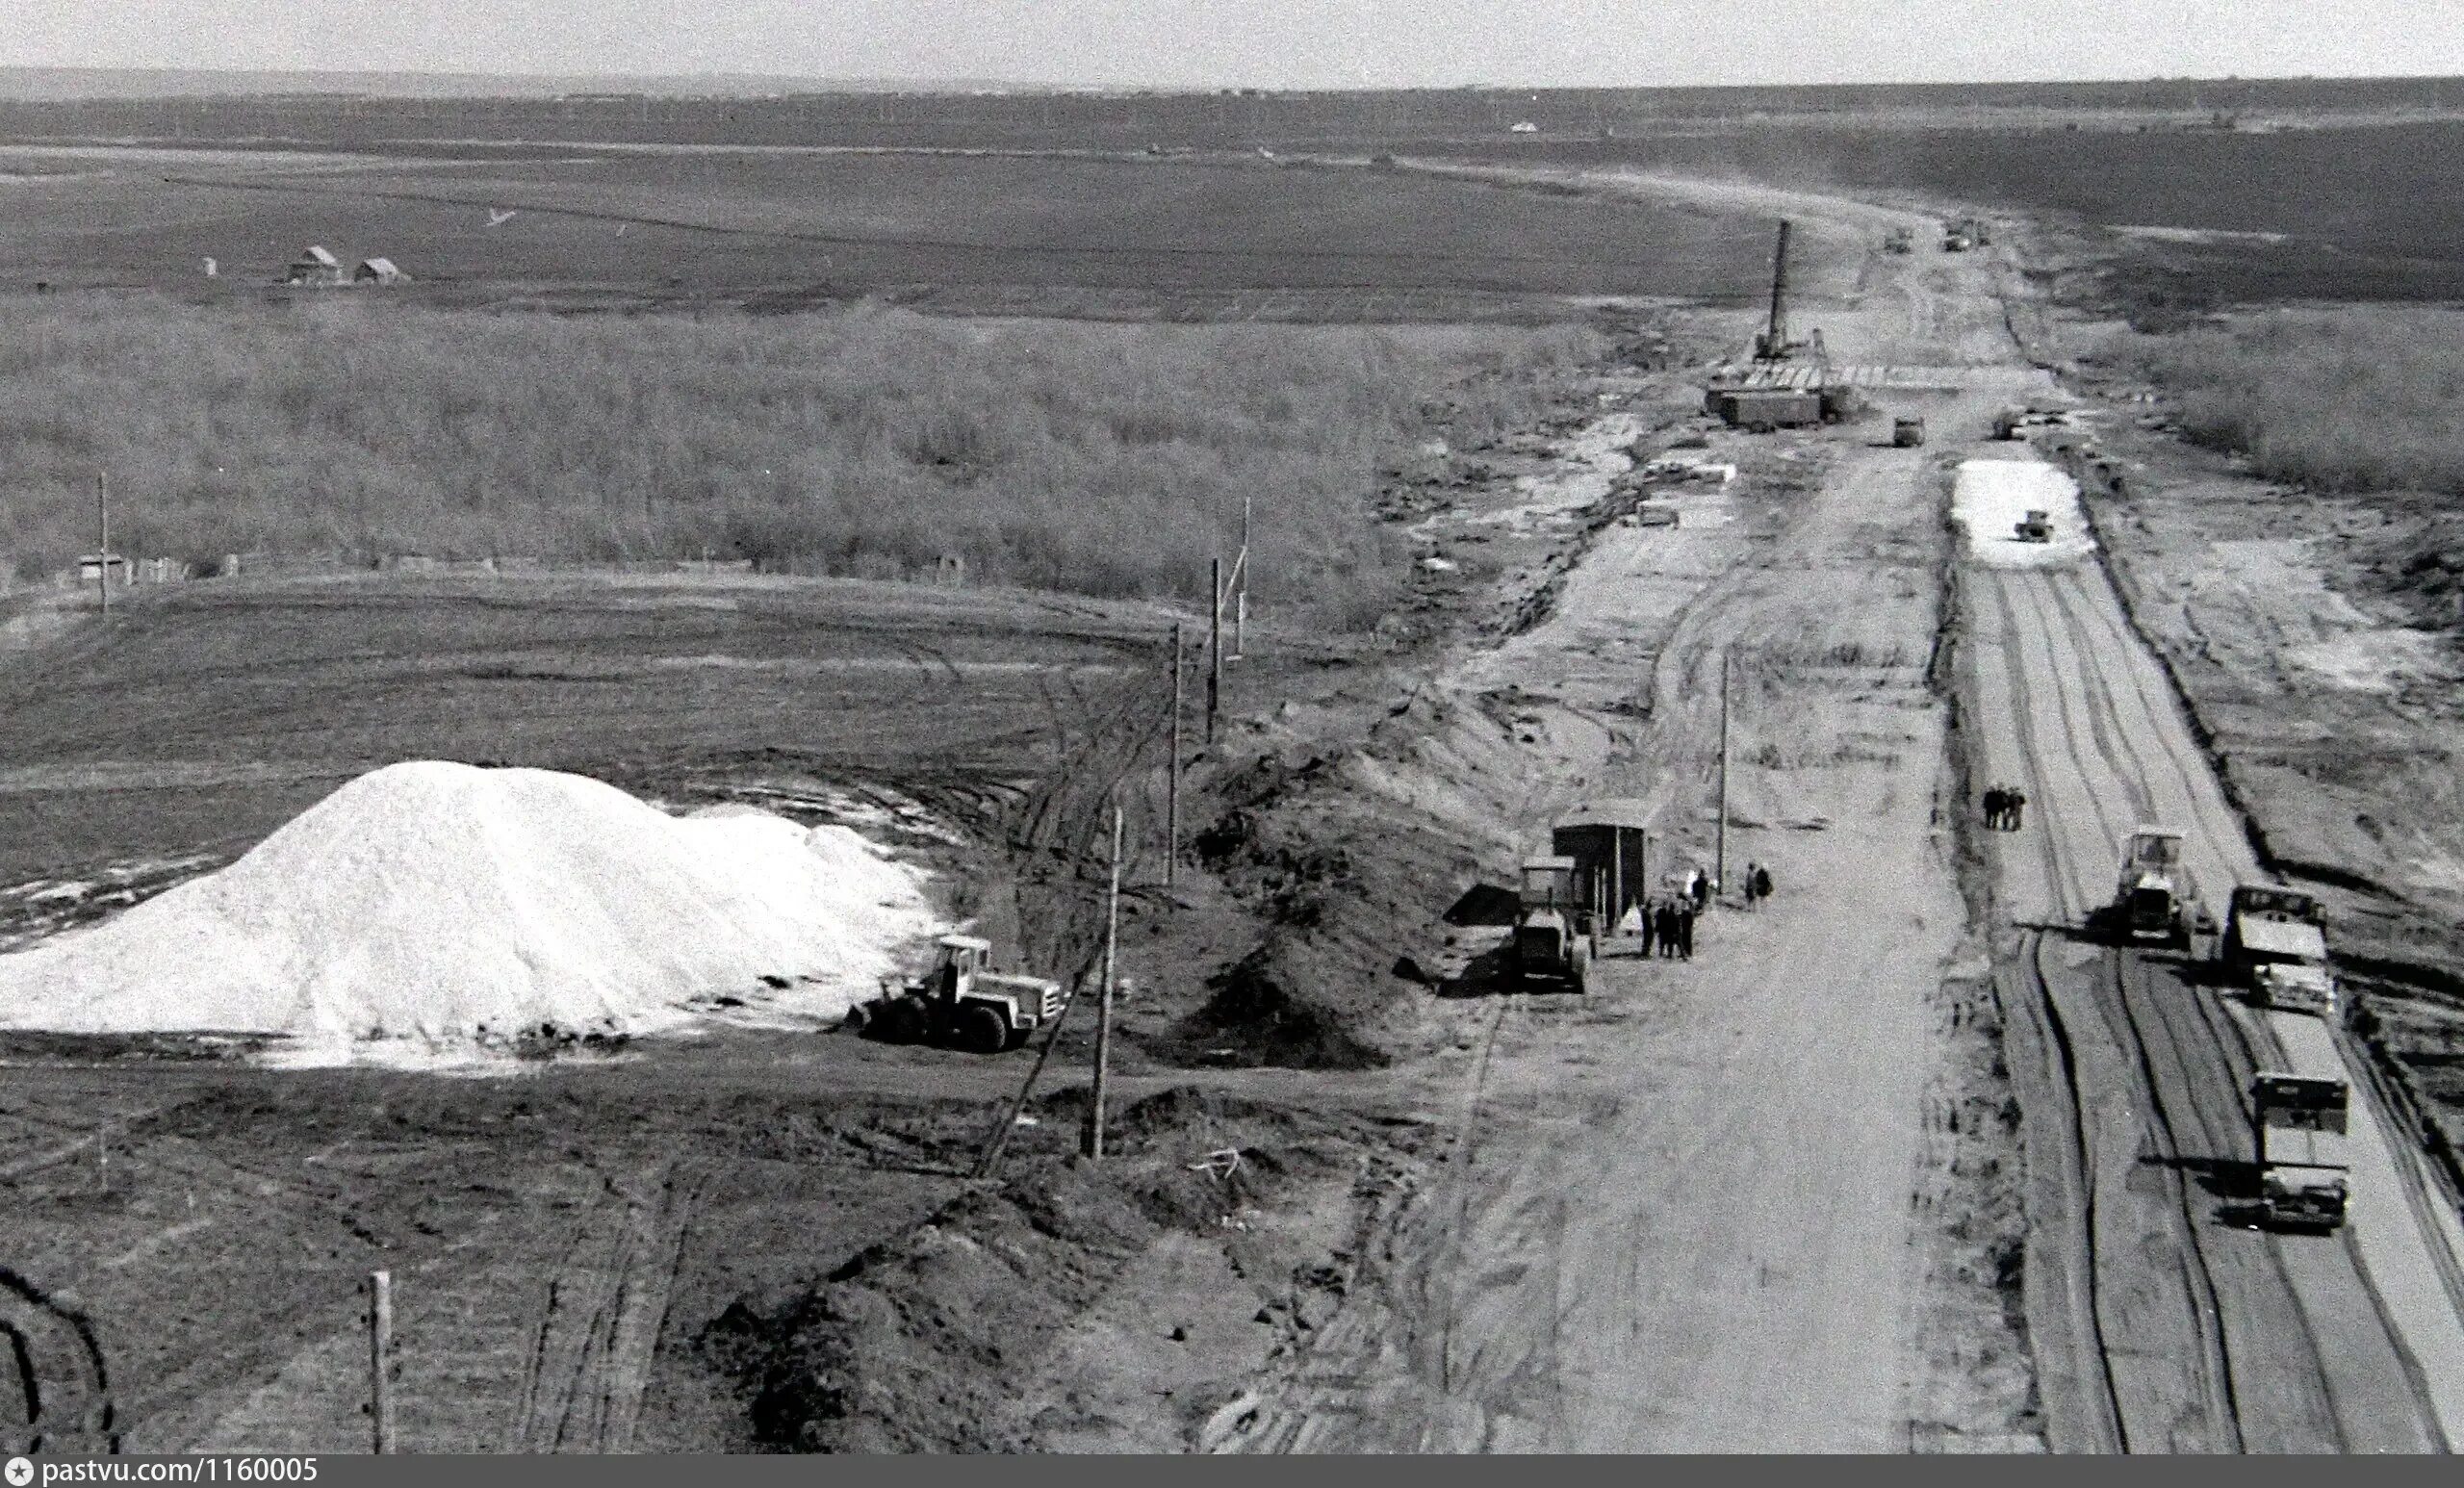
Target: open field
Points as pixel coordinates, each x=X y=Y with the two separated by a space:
x=775 y=229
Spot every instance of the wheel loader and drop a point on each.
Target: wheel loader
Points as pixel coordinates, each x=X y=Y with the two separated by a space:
x=1549 y=948
x=962 y=1003
x=2155 y=897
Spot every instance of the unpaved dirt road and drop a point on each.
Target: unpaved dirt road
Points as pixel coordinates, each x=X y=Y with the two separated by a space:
x=2214 y=1337
x=1678 y=1215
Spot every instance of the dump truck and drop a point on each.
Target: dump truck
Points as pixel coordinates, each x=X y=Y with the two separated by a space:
x=2297 y=1128
x=2036 y=526
x=2275 y=944
x=1907 y=433
x=2155 y=897
x=1549 y=948
x=962 y=1002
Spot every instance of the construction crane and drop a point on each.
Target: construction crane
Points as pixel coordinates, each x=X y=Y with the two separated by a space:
x=1772 y=343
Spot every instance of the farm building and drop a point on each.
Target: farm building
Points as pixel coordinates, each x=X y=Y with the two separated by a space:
x=378 y=270
x=316 y=266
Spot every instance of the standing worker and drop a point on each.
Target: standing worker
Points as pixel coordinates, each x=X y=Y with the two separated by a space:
x=1685 y=932
x=1665 y=916
x=1759 y=884
x=1645 y=916
x=2018 y=809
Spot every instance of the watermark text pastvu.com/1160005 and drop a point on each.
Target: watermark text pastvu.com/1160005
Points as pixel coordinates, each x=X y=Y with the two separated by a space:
x=23 y=1473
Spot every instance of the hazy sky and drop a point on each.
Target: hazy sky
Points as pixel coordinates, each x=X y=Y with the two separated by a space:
x=1283 y=43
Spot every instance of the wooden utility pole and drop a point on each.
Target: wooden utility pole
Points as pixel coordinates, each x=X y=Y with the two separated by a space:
x=1173 y=775
x=103 y=557
x=1720 y=872
x=1093 y=1143
x=1213 y=645
x=380 y=1361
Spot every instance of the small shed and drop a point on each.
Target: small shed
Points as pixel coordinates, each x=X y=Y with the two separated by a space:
x=378 y=270
x=91 y=566
x=314 y=266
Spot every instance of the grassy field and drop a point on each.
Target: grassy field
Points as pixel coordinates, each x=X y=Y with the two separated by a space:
x=598 y=224
x=1105 y=459
x=2352 y=400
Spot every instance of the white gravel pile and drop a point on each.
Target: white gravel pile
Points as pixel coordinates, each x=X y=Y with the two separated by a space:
x=1990 y=497
x=428 y=905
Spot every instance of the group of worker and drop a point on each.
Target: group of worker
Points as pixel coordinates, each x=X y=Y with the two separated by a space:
x=1667 y=924
x=2004 y=808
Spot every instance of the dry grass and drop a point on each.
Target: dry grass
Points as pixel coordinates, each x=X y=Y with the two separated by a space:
x=1107 y=459
x=2354 y=398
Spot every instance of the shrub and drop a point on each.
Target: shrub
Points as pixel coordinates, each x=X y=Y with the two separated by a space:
x=2354 y=398
x=1110 y=460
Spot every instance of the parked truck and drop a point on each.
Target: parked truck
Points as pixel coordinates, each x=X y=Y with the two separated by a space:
x=2297 y=1125
x=1906 y=432
x=1550 y=947
x=2275 y=944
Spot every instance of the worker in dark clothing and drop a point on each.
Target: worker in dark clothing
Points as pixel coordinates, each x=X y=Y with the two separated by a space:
x=1700 y=886
x=2019 y=807
x=1647 y=918
x=1666 y=917
x=1994 y=800
x=1685 y=932
x=1760 y=886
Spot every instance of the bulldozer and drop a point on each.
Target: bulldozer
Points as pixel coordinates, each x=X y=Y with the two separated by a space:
x=1549 y=948
x=962 y=1002
x=2155 y=897
x=2036 y=526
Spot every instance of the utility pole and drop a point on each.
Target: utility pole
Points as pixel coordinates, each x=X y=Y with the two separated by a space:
x=380 y=1361
x=1173 y=775
x=1240 y=590
x=1093 y=1145
x=103 y=557
x=1720 y=873
x=1213 y=645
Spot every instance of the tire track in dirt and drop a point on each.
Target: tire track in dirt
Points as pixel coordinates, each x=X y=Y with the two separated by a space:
x=599 y=1324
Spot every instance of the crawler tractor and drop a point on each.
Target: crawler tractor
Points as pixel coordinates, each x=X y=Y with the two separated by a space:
x=961 y=1002
x=2035 y=527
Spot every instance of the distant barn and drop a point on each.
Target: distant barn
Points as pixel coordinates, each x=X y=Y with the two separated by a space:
x=378 y=270
x=316 y=266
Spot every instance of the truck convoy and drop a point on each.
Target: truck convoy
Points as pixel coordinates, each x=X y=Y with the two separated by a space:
x=2275 y=942
x=2298 y=1127
x=961 y=1001
x=1549 y=948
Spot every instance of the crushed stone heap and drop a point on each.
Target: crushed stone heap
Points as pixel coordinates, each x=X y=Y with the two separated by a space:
x=438 y=902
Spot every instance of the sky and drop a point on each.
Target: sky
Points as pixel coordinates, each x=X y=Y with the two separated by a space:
x=1264 y=43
